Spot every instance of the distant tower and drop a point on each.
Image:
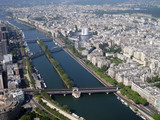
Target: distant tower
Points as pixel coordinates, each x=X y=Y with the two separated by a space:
x=84 y=31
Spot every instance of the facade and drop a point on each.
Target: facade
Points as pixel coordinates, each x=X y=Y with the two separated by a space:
x=1 y=81
x=84 y=31
x=13 y=77
x=152 y=94
x=3 y=48
x=10 y=111
x=7 y=58
x=10 y=103
x=3 y=41
x=14 y=95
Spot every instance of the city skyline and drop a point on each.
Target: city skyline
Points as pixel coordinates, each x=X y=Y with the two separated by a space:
x=77 y=47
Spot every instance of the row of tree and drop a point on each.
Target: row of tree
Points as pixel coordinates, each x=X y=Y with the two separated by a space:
x=53 y=111
x=127 y=91
x=46 y=96
x=30 y=71
x=74 y=51
x=44 y=115
x=102 y=74
x=38 y=114
x=68 y=82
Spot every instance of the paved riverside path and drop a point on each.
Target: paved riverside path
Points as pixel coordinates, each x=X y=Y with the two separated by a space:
x=51 y=105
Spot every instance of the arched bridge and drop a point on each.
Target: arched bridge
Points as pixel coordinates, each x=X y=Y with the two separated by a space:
x=76 y=92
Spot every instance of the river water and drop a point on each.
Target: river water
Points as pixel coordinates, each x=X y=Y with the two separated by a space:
x=91 y=107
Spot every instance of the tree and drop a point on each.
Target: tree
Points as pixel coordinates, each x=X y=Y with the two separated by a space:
x=136 y=109
x=143 y=101
x=65 y=107
x=156 y=116
x=26 y=81
x=26 y=117
x=120 y=84
x=104 y=68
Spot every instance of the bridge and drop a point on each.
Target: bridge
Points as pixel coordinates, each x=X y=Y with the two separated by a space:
x=40 y=53
x=36 y=39
x=76 y=92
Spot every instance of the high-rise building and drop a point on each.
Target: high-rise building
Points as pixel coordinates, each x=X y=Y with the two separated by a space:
x=1 y=78
x=84 y=31
x=3 y=42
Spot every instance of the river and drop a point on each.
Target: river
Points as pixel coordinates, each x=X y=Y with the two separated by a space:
x=91 y=107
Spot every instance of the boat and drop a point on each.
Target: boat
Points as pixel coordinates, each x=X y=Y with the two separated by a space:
x=126 y=104
x=118 y=98
x=76 y=116
x=131 y=108
x=138 y=114
x=143 y=117
x=122 y=100
x=44 y=85
x=39 y=76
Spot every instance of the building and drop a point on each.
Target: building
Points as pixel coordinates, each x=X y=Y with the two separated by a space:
x=14 y=95
x=1 y=81
x=84 y=31
x=13 y=77
x=7 y=58
x=3 y=48
x=3 y=41
x=151 y=94
x=10 y=103
x=1 y=78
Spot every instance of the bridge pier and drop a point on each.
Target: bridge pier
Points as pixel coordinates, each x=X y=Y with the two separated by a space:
x=64 y=94
x=107 y=93
x=75 y=92
x=89 y=93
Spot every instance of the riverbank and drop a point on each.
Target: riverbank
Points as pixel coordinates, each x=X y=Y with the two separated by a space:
x=86 y=66
x=51 y=105
x=142 y=110
x=33 y=26
x=69 y=83
x=82 y=63
x=81 y=108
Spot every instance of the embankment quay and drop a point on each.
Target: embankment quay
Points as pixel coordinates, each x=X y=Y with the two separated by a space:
x=91 y=90
x=61 y=45
x=106 y=106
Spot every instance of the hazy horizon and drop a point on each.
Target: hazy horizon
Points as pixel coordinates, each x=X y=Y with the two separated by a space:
x=21 y=3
